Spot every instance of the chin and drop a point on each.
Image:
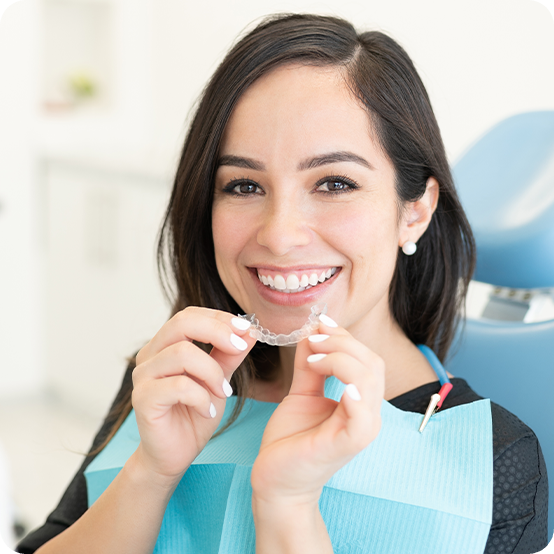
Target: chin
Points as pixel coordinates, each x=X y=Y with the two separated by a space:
x=283 y=322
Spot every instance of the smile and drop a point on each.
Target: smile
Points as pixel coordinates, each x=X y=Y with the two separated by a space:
x=295 y=282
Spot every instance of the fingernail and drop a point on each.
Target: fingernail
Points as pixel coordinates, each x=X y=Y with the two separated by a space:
x=213 y=413
x=353 y=391
x=240 y=323
x=327 y=320
x=316 y=357
x=227 y=388
x=237 y=342
x=318 y=338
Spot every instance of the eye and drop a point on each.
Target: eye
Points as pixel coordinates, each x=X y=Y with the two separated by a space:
x=242 y=188
x=336 y=185
x=245 y=188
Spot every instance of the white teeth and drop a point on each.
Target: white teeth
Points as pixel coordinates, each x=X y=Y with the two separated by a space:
x=292 y=282
x=279 y=282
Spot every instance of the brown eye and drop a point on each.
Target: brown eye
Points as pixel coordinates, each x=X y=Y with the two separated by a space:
x=242 y=188
x=336 y=185
x=246 y=188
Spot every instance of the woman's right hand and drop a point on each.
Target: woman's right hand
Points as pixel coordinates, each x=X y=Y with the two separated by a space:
x=175 y=384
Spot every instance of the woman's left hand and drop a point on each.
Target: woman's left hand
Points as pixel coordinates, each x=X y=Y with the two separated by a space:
x=310 y=437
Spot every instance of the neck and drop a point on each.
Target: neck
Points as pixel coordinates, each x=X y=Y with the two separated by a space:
x=406 y=368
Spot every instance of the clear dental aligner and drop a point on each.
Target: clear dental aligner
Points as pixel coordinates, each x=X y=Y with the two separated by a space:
x=265 y=335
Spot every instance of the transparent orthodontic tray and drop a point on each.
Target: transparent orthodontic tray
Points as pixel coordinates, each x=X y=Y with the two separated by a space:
x=265 y=335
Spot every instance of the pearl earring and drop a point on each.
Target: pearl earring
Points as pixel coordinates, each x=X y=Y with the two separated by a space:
x=409 y=247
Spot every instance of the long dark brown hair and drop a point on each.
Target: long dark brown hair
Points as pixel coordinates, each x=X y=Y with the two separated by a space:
x=428 y=288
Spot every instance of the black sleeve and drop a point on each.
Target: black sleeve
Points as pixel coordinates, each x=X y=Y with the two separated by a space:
x=520 y=483
x=520 y=514
x=73 y=503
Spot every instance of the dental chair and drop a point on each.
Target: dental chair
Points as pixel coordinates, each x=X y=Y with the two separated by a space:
x=505 y=349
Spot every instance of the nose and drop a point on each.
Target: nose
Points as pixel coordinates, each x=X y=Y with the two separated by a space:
x=284 y=226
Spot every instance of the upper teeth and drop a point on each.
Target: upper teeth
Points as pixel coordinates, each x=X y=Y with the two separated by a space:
x=293 y=284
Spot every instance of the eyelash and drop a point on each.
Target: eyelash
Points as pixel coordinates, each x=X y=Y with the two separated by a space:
x=233 y=183
x=352 y=185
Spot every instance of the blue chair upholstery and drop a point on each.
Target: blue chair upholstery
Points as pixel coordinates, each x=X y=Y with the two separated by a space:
x=513 y=365
x=506 y=185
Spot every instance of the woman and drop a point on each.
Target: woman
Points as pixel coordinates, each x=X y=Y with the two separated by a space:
x=313 y=162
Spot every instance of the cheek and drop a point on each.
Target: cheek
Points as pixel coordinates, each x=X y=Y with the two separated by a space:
x=365 y=235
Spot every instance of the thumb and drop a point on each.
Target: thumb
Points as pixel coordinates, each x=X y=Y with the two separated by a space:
x=305 y=380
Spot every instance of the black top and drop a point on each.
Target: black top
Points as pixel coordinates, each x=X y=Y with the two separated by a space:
x=520 y=501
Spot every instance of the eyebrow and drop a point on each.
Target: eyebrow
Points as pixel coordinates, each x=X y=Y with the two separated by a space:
x=311 y=163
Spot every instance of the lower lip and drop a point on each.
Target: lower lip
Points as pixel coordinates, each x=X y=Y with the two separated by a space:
x=308 y=296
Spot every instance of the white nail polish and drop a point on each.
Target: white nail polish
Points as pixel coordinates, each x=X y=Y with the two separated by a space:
x=353 y=392
x=327 y=320
x=213 y=413
x=316 y=357
x=227 y=389
x=238 y=343
x=318 y=338
x=240 y=323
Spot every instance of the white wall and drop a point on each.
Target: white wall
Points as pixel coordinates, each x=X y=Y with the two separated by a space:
x=103 y=302
x=21 y=367
x=481 y=60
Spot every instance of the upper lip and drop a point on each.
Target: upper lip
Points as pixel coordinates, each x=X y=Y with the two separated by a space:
x=303 y=267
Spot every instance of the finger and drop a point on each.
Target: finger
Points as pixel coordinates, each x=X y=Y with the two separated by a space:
x=343 y=342
x=154 y=398
x=200 y=324
x=356 y=420
x=369 y=380
x=359 y=422
x=183 y=358
x=230 y=362
x=304 y=380
x=329 y=326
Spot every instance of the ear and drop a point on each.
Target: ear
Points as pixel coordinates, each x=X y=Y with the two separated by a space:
x=417 y=215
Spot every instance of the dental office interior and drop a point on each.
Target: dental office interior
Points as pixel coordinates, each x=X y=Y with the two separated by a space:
x=94 y=101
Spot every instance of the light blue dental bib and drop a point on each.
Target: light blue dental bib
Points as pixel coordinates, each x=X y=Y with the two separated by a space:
x=421 y=493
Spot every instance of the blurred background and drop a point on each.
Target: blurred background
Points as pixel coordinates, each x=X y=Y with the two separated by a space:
x=94 y=100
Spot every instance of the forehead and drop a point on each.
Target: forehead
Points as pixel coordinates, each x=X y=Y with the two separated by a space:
x=298 y=110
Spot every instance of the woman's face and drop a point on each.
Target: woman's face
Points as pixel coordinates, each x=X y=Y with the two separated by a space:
x=304 y=194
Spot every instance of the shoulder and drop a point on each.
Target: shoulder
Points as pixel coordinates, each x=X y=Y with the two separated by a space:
x=520 y=495
x=520 y=484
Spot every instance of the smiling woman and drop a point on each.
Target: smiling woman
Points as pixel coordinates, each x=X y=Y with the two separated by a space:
x=306 y=201
x=312 y=168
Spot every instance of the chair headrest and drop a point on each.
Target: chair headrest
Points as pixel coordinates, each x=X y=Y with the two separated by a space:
x=506 y=185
